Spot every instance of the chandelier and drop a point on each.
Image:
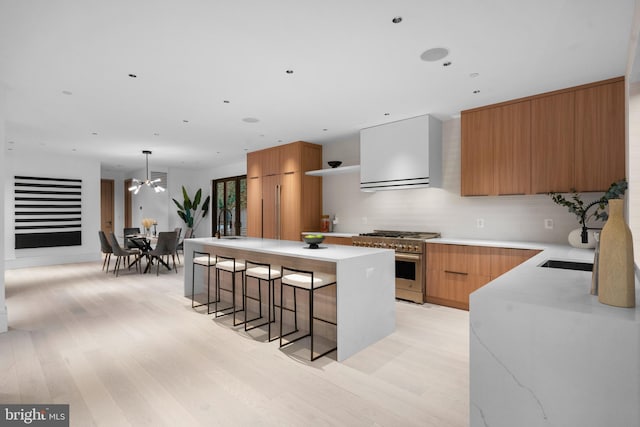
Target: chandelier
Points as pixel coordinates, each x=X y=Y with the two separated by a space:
x=137 y=183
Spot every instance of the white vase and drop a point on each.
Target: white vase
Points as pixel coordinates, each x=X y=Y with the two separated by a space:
x=575 y=239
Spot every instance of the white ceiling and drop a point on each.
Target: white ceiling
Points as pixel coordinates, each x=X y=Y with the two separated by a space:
x=351 y=66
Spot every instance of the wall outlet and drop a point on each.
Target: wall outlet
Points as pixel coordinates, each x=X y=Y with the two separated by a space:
x=548 y=224
x=480 y=223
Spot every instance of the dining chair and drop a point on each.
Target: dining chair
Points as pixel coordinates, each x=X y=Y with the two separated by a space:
x=128 y=231
x=106 y=249
x=119 y=252
x=178 y=231
x=188 y=233
x=166 y=246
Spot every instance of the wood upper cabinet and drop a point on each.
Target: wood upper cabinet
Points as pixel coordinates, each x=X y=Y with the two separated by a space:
x=552 y=143
x=600 y=136
x=283 y=201
x=476 y=153
x=511 y=135
x=496 y=150
x=572 y=138
x=454 y=271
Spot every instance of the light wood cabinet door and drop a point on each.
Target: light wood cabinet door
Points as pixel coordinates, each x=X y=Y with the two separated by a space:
x=476 y=154
x=254 y=164
x=505 y=259
x=290 y=157
x=600 y=136
x=553 y=143
x=290 y=195
x=334 y=240
x=511 y=136
x=270 y=194
x=271 y=161
x=254 y=206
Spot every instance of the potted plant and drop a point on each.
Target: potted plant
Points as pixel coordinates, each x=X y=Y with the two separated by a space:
x=577 y=206
x=188 y=209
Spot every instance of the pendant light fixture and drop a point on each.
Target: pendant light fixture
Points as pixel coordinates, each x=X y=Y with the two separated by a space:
x=137 y=183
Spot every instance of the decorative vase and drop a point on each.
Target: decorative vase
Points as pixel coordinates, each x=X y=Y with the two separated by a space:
x=575 y=239
x=616 y=281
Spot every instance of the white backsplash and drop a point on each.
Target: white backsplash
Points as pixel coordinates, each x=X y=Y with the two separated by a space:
x=440 y=209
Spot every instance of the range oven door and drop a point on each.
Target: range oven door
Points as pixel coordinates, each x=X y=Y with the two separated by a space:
x=410 y=277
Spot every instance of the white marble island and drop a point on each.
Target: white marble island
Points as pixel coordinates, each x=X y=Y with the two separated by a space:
x=544 y=352
x=365 y=291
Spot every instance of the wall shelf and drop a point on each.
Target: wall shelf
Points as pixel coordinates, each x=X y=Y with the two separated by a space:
x=334 y=171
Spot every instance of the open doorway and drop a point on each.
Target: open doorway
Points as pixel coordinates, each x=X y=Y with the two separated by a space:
x=230 y=206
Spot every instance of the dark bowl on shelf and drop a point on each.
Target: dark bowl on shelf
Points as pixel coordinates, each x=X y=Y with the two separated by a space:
x=334 y=163
x=313 y=242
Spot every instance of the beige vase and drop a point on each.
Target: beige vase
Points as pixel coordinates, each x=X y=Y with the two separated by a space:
x=616 y=283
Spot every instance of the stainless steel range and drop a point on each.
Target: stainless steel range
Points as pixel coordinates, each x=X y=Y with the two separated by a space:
x=410 y=258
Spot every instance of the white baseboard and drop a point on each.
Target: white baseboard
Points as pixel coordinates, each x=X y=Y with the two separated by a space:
x=38 y=261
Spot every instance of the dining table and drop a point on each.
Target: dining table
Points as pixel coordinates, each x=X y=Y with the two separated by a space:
x=146 y=244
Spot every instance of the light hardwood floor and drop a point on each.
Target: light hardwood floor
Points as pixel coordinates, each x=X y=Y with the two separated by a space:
x=131 y=351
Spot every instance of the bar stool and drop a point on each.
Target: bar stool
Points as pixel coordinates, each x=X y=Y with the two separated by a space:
x=203 y=259
x=233 y=266
x=309 y=281
x=261 y=272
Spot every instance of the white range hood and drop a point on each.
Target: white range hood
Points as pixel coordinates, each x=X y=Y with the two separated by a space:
x=401 y=155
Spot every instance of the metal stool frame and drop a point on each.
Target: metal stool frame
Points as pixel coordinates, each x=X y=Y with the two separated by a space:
x=232 y=290
x=193 y=279
x=311 y=313
x=271 y=299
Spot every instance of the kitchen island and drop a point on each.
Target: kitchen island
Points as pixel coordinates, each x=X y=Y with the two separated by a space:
x=544 y=352
x=365 y=277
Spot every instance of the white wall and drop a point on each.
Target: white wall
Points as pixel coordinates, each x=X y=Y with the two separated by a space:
x=440 y=209
x=4 y=323
x=18 y=162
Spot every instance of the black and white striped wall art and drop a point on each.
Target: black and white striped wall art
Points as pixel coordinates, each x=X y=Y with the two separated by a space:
x=47 y=212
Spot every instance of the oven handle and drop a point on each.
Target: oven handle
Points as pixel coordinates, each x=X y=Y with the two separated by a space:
x=407 y=257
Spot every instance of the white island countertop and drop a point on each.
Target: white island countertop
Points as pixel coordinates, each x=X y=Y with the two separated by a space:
x=544 y=351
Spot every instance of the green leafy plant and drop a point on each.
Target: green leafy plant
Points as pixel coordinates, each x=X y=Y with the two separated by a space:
x=188 y=209
x=576 y=206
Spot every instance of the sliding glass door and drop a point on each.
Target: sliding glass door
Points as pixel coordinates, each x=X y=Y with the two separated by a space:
x=230 y=202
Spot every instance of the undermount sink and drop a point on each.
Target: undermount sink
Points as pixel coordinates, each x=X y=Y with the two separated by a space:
x=231 y=237
x=568 y=265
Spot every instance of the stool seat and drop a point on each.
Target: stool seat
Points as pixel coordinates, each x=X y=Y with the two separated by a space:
x=205 y=260
x=231 y=266
x=263 y=273
x=304 y=280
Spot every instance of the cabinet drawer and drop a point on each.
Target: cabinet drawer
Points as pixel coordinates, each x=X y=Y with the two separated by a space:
x=459 y=259
x=453 y=289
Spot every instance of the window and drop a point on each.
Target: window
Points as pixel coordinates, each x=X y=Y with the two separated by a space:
x=230 y=202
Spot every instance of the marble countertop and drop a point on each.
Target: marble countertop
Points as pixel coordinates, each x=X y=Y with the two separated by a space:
x=326 y=252
x=491 y=243
x=553 y=287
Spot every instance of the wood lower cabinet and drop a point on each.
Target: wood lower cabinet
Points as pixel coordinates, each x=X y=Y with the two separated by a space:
x=333 y=240
x=454 y=271
x=283 y=201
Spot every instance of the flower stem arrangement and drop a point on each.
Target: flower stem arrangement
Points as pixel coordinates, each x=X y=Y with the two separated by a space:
x=188 y=210
x=147 y=223
x=580 y=209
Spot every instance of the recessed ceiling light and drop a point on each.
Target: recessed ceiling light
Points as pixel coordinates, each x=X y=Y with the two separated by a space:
x=73 y=149
x=66 y=92
x=476 y=91
x=185 y=121
x=397 y=19
x=325 y=129
x=10 y=149
x=387 y=114
x=289 y=71
x=246 y=149
x=474 y=75
x=250 y=120
x=133 y=76
x=446 y=64
x=279 y=140
x=156 y=134
x=226 y=101
x=94 y=133
x=12 y=142
x=435 y=54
